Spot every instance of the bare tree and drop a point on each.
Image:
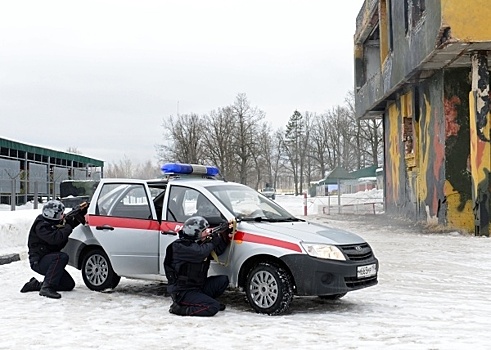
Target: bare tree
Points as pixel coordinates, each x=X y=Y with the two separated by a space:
x=263 y=155
x=73 y=150
x=318 y=145
x=241 y=144
x=147 y=170
x=124 y=169
x=247 y=121
x=368 y=143
x=267 y=155
x=307 y=159
x=218 y=140
x=276 y=155
x=184 y=136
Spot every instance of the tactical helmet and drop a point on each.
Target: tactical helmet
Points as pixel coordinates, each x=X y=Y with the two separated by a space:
x=194 y=227
x=53 y=210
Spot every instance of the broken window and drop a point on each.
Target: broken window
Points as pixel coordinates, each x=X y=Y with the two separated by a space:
x=408 y=135
x=418 y=9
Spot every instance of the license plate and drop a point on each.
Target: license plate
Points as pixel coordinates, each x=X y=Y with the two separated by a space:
x=366 y=271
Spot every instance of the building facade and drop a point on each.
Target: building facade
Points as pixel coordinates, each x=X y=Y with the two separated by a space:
x=28 y=170
x=422 y=66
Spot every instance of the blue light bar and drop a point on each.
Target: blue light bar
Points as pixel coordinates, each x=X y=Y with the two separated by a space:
x=188 y=169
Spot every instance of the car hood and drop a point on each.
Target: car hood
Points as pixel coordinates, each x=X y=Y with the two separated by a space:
x=303 y=231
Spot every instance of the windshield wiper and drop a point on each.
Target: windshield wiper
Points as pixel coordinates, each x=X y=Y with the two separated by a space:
x=294 y=219
x=257 y=218
x=261 y=218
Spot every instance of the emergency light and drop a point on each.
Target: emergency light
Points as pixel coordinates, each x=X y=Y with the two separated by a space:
x=189 y=169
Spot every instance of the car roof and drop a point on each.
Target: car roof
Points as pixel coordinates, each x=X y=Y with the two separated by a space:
x=195 y=180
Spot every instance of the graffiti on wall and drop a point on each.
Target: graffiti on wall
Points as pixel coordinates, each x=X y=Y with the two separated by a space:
x=393 y=161
x=440 y=179
x=458 y=187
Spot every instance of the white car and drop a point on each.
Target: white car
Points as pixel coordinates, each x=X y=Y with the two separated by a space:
x=269 y=192
x=272 y=255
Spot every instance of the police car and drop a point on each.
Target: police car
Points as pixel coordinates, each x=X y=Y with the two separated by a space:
x=272 y=256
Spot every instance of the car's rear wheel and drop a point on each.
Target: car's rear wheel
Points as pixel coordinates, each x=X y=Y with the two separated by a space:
x=269 y=289
x=97 y=271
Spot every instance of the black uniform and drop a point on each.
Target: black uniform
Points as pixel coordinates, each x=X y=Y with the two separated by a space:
x=46 y=239
x=186 y=266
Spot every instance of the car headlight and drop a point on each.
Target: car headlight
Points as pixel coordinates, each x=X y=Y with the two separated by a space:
x=323 y=251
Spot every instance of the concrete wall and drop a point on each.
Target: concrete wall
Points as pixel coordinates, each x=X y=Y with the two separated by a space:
x=458 y=190
x=437 y=189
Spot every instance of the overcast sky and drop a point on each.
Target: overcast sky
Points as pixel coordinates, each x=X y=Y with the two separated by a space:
x=102 y=76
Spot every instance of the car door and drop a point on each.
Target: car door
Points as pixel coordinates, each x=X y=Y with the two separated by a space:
x=181 y=203
x=124 y=223
x=178 y=206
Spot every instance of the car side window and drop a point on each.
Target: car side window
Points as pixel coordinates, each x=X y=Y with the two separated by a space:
x=175 y=208
x=186 y=202
x=124 y=200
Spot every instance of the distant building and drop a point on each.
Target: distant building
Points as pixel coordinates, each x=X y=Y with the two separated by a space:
x=422 y=66
x=26 y=169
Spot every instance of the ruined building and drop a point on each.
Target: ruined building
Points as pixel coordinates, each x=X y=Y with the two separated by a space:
x=423 y=67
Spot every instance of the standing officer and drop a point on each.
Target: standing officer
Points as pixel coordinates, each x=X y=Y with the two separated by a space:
x=47 y=236
x=186 y=267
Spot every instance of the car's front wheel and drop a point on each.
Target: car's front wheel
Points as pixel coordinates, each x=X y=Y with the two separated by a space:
x=269 y=289
x=97 y=271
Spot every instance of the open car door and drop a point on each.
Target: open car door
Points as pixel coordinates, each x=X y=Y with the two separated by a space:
x=124 y=222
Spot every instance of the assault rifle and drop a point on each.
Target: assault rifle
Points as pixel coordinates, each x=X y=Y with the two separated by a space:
x=78 y=213
x=221 y=230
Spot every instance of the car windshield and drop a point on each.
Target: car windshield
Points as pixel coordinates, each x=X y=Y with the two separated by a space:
x=249 y=205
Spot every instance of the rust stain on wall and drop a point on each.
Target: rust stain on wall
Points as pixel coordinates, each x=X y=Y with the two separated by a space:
x=458 y=186
x=438 y=163
x=425 y=150
x=450 y=110
x=394 y=158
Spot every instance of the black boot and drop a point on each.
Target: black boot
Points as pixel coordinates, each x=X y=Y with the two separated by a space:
x=32 y=286
x=222 y=307
x=47 y=291
x=177 y=309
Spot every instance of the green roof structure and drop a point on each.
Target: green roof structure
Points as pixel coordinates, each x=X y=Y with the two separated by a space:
x=6 y=144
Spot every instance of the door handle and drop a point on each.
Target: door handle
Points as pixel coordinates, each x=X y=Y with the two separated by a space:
x=172 y=233
x=104 y=227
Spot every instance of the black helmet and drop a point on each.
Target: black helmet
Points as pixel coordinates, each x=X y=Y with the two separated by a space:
x=53 y=210
x=194 y=227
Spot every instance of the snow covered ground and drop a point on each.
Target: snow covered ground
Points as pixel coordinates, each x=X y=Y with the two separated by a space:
x=434 y=292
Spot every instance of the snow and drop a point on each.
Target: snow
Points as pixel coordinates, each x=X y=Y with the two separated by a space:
x=433 y=293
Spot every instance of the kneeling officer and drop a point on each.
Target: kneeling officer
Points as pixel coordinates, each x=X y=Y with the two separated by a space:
x=186 y=265
x=47 y=236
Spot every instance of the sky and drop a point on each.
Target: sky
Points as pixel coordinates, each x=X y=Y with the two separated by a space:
x=104 y=76
x=433 y=293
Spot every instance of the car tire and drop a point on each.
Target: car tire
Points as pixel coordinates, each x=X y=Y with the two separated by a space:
x=97 y=271
x=332 y=296
x=269 y=289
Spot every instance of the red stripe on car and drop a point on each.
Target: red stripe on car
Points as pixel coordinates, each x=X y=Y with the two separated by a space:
x=249 y=237
x=114 y=221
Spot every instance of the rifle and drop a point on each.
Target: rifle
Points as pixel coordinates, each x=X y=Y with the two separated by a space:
x=225 y=229
x=78 y=213
x=221 y=230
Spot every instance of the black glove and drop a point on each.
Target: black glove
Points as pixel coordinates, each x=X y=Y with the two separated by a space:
x=78 y=213
x=215 y=238
x=72 y=221
x=223 y=230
